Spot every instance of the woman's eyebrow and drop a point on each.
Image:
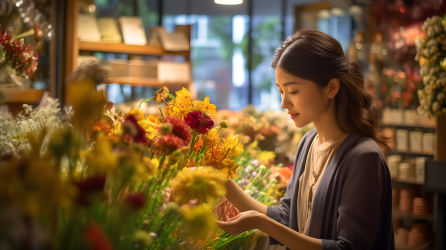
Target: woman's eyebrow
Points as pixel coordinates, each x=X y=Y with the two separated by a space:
x=288 y=83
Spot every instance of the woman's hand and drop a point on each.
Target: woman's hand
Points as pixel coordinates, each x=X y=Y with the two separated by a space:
x=243 y=222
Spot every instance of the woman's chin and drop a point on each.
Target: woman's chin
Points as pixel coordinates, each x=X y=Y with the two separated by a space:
x=300 y=123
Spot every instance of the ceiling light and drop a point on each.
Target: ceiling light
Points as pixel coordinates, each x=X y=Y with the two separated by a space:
x=229 y=2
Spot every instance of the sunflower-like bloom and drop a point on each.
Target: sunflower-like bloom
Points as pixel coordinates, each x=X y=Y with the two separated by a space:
x=217 y=158
x=235 y=148
x=212 y=137
x=205 y=106
x=203 y=184
x=149 y=124
x=198 y=221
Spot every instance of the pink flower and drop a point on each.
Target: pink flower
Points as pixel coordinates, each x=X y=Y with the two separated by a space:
x=179 y=128
x=170 y=142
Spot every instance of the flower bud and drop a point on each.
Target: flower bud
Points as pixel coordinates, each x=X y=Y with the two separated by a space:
x=224 y=124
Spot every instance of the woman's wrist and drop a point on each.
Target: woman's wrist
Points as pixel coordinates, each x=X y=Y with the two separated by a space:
x=261 y=222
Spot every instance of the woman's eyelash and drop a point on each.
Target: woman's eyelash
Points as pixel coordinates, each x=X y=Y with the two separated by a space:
x=291 y=93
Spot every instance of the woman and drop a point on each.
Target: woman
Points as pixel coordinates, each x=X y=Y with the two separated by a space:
x=340 y=194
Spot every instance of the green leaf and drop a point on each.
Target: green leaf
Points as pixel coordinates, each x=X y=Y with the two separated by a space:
x=147 y=100
x=171 y=96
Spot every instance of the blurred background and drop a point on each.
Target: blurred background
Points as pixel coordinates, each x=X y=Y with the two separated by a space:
x=222 y=49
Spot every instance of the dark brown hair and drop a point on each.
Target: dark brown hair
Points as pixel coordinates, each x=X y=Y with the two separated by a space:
x=318 y=57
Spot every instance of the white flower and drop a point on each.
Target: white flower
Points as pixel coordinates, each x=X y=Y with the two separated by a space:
x=432 y=70
x=437 y=28
x=431 y=42
x=440 y=96
x=430 y=32
x=435 y=106
x=429 y=98
x=426 y=52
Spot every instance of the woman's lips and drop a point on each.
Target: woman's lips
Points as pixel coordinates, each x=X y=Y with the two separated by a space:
x=293 y=115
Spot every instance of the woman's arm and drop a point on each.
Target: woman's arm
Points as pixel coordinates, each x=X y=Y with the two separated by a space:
x=254 y=220
x=241 y=200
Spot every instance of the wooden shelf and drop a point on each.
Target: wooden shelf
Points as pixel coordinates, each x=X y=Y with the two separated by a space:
x=403 y=126
x=413 y=153
x=155 y=50
x=408 y=180
x=397 y=213
x=27 y=96
x=139 y=81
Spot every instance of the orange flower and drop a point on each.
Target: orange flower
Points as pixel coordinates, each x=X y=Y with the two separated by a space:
x=101 y=126
x=199 y=143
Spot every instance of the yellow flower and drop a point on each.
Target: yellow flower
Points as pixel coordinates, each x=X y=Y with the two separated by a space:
x=217 y=158
x=235 y=148
x=230 y=168
x=86 y=101
x=183 y=97
x=212 y=137
x=35 y=187
x=199 y=221
x=146 y=171
x=137 y=113
x=204 y=184
x=149 y=124
x=205 y=106
x=267 y=157
x=102 y=160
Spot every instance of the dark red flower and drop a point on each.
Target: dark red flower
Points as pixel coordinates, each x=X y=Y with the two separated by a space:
x=96 y=238
x=88 y=186
x=170 y=142
x=179 y=128
x=132 y=128
x=199 y=121
x=136 y=201
x=95 y=183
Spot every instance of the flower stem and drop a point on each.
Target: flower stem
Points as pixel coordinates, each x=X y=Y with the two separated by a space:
x=30 y=32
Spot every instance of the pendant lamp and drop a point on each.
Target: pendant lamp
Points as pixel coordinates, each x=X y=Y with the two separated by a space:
x=229 y=2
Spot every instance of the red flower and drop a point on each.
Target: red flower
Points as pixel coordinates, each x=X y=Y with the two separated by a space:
x=199 y=121
x=87 y=186
x=179 y=128
x=18 y=55
x=132 y=128
x=170 y=142
x=136 y=200
x=96 y=238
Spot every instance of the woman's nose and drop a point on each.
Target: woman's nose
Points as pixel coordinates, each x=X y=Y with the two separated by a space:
x=285 y=104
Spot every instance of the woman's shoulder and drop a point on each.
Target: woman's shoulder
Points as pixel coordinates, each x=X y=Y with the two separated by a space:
x=365 y=150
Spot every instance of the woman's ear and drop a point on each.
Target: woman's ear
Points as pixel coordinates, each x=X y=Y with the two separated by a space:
x=333 y=87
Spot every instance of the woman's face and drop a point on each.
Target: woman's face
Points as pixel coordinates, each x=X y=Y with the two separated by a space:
x=303 y=99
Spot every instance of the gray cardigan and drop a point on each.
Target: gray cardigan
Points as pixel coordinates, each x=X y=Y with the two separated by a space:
x=352 y=207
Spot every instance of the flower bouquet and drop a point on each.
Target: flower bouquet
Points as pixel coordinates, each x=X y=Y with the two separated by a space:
x=20 y=57
x=95 y=178
x=431 y=54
